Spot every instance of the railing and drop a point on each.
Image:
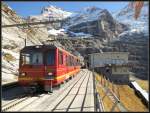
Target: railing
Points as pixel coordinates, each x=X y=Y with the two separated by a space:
x=110 y=93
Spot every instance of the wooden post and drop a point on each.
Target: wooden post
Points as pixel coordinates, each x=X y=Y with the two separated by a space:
x=118 y=92
x=25 y=42
x=103 y=81
x=112 y=86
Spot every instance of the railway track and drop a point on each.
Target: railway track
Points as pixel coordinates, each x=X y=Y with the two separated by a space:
x=78 y=98
x=64 y=99
x=18 y=101
x=48 y=98
x=55 y=97
x=55 y=108
x=14 y=102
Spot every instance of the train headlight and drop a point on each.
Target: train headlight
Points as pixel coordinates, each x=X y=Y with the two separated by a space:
x=50 y=73
x=23 y=74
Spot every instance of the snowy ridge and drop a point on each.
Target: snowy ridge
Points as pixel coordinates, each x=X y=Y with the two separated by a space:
x=51 y=12
x=56 y=32
x=87 y=14
x=126 y=16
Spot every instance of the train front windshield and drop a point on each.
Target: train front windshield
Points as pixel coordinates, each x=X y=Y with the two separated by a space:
x=34 y=58
x=38 y=58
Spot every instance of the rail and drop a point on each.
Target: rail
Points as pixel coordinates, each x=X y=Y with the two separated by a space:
x=103 y=84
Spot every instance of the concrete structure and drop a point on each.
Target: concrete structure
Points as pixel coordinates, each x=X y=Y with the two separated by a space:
x=114 y=65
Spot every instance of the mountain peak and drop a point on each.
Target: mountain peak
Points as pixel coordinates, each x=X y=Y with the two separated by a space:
x=51 y=8
x=92 y=9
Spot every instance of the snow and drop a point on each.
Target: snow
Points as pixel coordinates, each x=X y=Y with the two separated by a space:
x=56 y=32
x=81 y=34
x=9 y=68
x=126 y=16
x=55 y=12
x=143 y=92
x=86 y=14
x=52 y=12
x=11 y=52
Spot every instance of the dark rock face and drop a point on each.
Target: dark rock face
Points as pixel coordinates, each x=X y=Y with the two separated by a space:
x=83 y=46
x=104 y=27
x=137 y=46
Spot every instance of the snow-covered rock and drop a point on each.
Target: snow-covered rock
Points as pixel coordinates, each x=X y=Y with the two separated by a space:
x=56 y=32
x=13 y=41
x=95 y=21
x=87 y=14
x=50 y=13
x=126 y=16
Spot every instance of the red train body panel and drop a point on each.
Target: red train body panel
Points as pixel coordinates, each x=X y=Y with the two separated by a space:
x=46 y=65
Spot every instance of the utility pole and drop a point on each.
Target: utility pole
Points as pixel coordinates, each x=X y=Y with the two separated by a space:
x=25 y=42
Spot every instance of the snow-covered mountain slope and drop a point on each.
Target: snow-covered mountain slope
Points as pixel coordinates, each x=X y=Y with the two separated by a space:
x=56 y=32
x=51 y=12
x=126 y=16
x=85 y=15
x=95 y=21
x=13 y=41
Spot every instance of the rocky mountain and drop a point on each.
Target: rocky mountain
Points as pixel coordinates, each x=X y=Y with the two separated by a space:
x=51 y=12
x=91 y=21
x=126 y=16
x=135 y=40
x=97 y=22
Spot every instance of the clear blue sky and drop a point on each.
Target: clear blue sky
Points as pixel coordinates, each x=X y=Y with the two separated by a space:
x=34 y=8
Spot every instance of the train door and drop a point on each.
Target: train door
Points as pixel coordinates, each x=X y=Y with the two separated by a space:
x=50 y=69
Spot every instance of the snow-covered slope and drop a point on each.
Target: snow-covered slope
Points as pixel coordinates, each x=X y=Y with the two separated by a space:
x=126 y=16
x=51 y=12
x=56 y=32
x=95 y=21
x=87 y=14
x=13 y=41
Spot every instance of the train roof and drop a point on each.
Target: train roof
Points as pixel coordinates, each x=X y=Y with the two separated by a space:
x=44 y=47
x=28 y=48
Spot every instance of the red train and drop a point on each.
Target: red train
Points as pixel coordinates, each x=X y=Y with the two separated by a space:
x=46 y=66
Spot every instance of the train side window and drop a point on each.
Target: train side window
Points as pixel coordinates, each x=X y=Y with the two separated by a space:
x=69 y=60
x=64 y=60
x=72 y=61
x=60 y=57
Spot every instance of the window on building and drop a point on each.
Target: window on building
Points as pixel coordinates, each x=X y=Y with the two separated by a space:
x=115 y=69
